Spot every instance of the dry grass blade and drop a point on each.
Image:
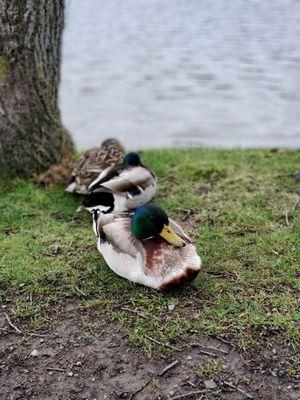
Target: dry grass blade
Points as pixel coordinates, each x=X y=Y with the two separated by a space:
x=12 y=325
x=210 y=348
x=134 y=312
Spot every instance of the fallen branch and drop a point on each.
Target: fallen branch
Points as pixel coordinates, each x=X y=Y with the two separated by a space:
x=168 y=367
x=238 y=389
x=12 y=325
x=162 y=344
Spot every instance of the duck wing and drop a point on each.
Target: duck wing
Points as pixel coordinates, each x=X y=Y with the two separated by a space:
x=118 y=235
x=106 y=175
x=123 y=253
x=124 y=179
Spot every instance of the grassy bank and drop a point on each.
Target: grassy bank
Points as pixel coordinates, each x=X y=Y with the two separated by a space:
x=240 y=208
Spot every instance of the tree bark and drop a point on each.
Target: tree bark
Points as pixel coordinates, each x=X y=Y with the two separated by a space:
x=31 y=134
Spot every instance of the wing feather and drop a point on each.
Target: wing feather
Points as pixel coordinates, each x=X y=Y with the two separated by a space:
x=128 y=179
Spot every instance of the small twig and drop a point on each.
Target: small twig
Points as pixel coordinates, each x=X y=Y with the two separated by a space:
x=238 y=389
x=19 y=331
x=142 y=387
x=207 y=353
x=225 y=341
x=287 y=218
x=210 y=348
x=134 y=312
x=162 y=344
x=216 y=349
x=183 y=396
x=12 y=325
x=191 y=384
x=100 y=334
x=55 y=369
x=168 y=367
x=96 y=369
x=219 y=274
x=36 y=334
x=295 y=207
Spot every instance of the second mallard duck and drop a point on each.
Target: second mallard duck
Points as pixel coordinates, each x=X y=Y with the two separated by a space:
x=147 y=248
x=122 y=187
x=92 y=163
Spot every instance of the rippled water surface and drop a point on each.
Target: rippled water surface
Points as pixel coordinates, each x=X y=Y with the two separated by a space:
x=182 y=72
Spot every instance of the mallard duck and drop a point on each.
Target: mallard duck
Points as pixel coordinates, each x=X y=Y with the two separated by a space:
x=93 y=162
x=147 y=248
x=122 y=187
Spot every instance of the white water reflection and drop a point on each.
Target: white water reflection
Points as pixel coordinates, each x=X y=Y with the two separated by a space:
x=182 y=72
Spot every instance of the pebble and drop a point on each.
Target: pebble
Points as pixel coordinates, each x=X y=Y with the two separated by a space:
x=34 y=353
x=274 y=351
x=171 y=393
x=210 y=384
x=79 y=363
x=171 y=306
x=70 y=373
x=189 y=358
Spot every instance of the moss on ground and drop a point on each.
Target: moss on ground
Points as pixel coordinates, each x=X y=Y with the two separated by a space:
x=240 y=208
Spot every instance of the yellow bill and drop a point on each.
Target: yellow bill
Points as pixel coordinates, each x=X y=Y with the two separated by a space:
x=170 y=236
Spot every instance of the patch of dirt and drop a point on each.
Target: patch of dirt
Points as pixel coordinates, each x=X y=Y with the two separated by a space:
x=75 y=363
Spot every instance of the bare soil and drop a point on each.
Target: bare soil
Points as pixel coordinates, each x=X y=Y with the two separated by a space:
x=67 y=363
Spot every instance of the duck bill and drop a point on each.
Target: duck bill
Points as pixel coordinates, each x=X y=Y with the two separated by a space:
x=170 y=236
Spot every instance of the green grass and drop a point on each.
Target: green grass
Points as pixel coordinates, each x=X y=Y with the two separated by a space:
x=238 y=206
x=210 y=369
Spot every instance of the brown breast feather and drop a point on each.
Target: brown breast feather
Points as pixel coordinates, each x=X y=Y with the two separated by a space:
x=162 y=258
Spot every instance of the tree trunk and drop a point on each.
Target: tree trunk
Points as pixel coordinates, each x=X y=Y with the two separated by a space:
x=31 y=134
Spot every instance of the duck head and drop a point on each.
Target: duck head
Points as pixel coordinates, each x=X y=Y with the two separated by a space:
x=133 y=159
x=151 y=221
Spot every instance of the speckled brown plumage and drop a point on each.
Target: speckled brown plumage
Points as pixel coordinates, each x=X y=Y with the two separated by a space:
x=57 y=173
x=92 y=162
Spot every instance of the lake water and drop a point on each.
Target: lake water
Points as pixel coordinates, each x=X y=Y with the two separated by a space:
x=182 y=72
